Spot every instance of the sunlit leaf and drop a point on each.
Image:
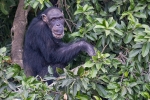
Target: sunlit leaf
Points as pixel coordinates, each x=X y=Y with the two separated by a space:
x=145 y=94
x=2 y=50
x=113 y=8
x=97 y=98
x=82 y=97
x=107 y=32
x=99 y=26
x=89 y=64
x=85 y=7
x=35 y=4
x=93 y=72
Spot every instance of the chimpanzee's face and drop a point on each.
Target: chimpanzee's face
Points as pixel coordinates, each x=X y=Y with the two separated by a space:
x=55 y=21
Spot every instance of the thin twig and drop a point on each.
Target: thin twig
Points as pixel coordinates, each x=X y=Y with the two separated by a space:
x=104 y=48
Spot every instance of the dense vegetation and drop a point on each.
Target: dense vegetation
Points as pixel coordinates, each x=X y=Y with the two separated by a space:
x=119 y=29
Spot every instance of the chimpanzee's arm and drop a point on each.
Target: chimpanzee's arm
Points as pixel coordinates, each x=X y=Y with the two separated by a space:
x=62 y=54
x=66 y=53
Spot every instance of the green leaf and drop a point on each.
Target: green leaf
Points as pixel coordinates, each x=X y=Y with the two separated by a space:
x=89 y=18
x=9 y=75
x=85 y=7
x=93 y=85
x=79 y=10
x=136 y=9
x=112 y=38
x=100 y=20
x=145 y=94
x=99 y=26
x=112 y=86
x=85 y=82
x=74 y=89
x=12 y=86
x=112 y=25
x=33 y=97
x=97 y=98
x=66 y=82
x=35 y=4
x=90 y=37
x=107 y=32
x=89 y=8
x=88 y=64
x=59 y=70
x=18 y=78
x=128 y=38
x=113 y=8
x=137 y=45
x=130 y=90
x=119 y=32
x=103 y=69
x=105 y=23
x=139 y=15
x=82 y=97
x=2 y=88
x=3 y=8
x=126 y=74
x=125 y=14
x=101 y=90
x=50 y=70
x=133 y=84
x=41 y=1
x=145 y=49
x=3 y=49
x=133 y=53
x=81 y=71
x=114 y=96
x=75 y=34
x=107 y=61
x=98 y=65
x=93 y=72
x=48 y=4
x=105 y=78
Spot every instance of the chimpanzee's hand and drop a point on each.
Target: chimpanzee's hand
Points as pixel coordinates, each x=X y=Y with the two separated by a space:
x=88 y=48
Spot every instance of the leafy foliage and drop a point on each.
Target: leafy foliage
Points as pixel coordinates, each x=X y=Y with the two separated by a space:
x=37 y=3
x=6 y=18
x=5 y=6
x=121 y=29
x=119 y=71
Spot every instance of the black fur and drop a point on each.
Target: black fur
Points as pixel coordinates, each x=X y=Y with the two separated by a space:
x=41 y=49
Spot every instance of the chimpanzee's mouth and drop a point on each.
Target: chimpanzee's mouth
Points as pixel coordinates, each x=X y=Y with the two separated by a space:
x=58 y=35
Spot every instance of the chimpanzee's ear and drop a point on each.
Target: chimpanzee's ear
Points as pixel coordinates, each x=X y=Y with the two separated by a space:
x=44 y=18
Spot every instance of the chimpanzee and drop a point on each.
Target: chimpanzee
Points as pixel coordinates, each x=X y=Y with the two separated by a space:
x=43 y=45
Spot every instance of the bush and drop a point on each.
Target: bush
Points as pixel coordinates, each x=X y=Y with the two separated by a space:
x=120 y=31
x=120 y=28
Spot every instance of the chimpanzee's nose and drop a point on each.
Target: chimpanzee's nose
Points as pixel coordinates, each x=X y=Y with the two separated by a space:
x=58 y=24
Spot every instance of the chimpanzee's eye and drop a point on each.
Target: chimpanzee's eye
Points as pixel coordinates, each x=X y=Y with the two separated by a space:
x=53 y=19
x=60 y=18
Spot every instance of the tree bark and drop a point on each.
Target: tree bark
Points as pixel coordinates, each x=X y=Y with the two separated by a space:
x=17 y=32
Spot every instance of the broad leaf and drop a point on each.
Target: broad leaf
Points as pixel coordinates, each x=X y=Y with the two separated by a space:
x=145 y=49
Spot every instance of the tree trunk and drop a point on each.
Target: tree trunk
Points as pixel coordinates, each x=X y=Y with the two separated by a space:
x=17 y=31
